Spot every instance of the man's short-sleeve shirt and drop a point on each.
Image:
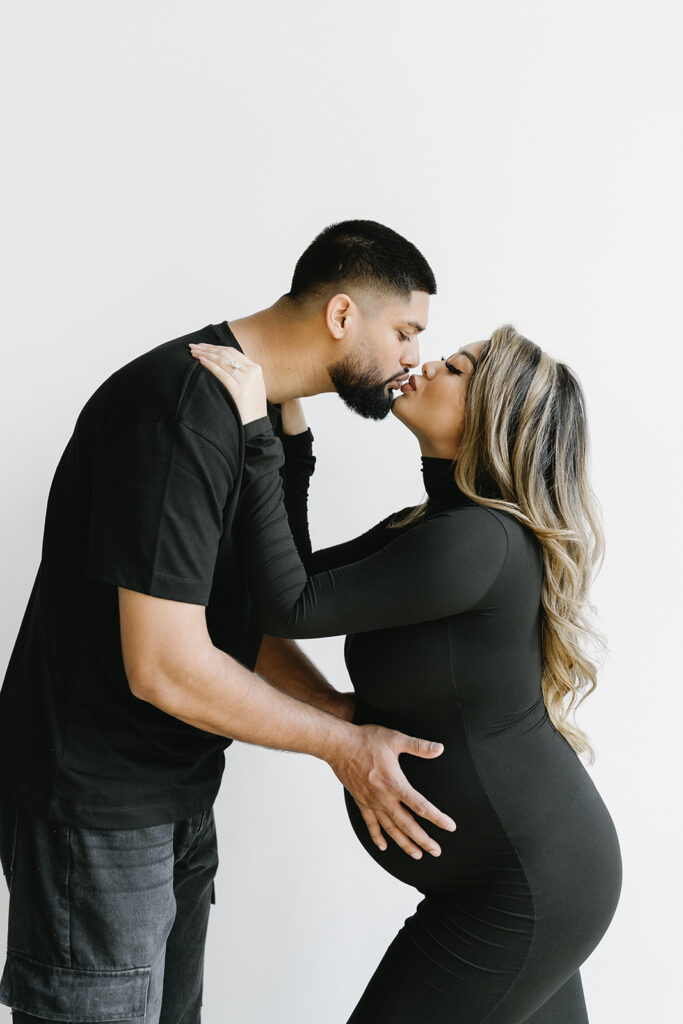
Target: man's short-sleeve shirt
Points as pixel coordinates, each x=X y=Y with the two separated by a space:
x=145 y=496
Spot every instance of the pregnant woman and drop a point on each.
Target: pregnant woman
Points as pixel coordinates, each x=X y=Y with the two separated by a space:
x=465 y=620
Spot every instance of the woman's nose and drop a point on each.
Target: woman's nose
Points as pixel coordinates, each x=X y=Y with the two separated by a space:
x=430 y=368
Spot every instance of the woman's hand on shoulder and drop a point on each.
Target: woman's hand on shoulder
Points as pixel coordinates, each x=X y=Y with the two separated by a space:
x=239 y=375
x=293 y=418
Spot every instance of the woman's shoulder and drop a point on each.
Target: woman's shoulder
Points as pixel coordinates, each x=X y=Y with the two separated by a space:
x=477 y=520
x=520 y=536
x=467 y=516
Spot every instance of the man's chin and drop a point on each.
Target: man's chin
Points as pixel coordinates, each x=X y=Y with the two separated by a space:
x=368 y=405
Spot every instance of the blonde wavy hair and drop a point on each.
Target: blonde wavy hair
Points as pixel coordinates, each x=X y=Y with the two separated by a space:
x=525 y=451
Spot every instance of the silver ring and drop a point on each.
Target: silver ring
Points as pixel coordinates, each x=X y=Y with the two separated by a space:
x=236 y=367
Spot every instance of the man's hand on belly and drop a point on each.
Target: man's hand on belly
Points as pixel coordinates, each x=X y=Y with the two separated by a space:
x=171 y=663
x=369 y=769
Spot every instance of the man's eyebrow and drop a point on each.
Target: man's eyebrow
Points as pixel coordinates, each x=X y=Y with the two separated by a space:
x=415 y=325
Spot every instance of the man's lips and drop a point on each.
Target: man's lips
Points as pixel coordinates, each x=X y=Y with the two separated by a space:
x=409 y=385
x=398 y=382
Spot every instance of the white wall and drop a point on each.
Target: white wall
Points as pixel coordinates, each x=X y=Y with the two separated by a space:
x=166 y=163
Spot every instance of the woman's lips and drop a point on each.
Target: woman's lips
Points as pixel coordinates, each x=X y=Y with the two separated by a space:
x=409 y=385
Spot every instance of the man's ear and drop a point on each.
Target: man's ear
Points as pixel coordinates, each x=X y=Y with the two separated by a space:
x=338 y=314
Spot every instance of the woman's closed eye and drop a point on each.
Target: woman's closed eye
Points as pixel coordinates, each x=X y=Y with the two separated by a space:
x=453 y=369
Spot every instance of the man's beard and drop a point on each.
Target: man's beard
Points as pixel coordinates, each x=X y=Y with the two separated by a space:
x=360 y=386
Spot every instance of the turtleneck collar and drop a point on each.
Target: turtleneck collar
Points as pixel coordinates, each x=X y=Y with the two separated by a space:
x=440 y=485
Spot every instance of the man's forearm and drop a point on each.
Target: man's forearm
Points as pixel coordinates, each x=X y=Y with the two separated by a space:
x=221 y=696
x=284 y=664
x=171 y=662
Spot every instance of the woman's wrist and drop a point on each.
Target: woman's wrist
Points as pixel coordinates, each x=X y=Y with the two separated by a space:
x=293 y=418
x=262 y=425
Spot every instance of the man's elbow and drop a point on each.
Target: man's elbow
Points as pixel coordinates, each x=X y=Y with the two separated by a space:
x=162 y=642
x=170 y=684
x=147 y=682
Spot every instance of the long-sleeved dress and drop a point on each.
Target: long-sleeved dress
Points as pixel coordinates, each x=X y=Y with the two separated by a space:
x=443 y=622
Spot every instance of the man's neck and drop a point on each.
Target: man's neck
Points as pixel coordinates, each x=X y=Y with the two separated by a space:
x=288 y=348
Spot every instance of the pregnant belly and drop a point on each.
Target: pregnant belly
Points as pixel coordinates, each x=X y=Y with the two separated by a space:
x=466 y=861
x=479 y=850
x=528 y=816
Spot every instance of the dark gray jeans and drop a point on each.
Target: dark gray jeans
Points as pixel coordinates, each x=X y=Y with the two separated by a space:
x=106 y=924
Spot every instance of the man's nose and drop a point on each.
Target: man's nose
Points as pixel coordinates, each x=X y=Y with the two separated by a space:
x=411 y=357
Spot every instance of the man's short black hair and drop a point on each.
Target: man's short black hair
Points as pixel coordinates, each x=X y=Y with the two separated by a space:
x=365 y=253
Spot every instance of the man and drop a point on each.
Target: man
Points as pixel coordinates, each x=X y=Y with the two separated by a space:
x=138 y=654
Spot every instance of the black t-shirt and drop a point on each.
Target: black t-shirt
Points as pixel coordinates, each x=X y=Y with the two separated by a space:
x=146 y=496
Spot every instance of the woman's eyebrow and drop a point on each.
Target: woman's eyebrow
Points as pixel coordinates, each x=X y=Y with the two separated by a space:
x=469 y=355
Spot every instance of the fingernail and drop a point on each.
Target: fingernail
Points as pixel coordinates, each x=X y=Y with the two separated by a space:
x=435 y=853
x=416 y=856
x=436 y=746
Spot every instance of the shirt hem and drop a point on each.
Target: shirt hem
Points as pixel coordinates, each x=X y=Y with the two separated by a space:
x=154 y=812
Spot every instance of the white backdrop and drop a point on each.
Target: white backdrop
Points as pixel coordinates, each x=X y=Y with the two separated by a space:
x=165 y=164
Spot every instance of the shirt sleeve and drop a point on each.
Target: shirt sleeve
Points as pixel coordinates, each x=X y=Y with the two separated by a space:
x=296 y=473
x=440 y=566
x=158 y=495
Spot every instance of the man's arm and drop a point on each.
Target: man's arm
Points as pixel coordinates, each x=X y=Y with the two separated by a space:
x=171 y=662
x=284 y=664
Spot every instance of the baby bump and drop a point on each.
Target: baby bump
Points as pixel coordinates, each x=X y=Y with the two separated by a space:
x=477 y=854
x=528 y=817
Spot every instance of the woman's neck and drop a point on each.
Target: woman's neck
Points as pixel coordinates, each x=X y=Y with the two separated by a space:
x=432 y=449
x=439 y=481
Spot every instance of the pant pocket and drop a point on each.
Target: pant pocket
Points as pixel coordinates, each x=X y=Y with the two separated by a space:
x=66 y=993
x=9 y=819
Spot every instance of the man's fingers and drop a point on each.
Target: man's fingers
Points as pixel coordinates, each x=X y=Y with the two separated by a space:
x=370 y=819
x=419 y=748
x=422 y=807
x=399 y=837
x=413 y=830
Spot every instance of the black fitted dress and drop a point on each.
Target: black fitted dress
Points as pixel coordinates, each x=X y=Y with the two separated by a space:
x=444 y=642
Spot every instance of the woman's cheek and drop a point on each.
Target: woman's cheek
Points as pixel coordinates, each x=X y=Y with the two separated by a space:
x=458 y=422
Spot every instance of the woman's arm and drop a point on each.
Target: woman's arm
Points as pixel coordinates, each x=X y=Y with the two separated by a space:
x=296 y=475
x=440 y=566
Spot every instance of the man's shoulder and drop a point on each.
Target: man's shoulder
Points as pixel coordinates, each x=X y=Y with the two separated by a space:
x=202 y=404
x=166 y=383
x=207 y=408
